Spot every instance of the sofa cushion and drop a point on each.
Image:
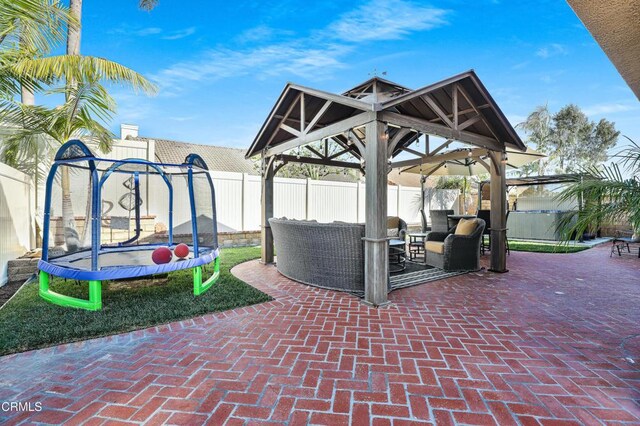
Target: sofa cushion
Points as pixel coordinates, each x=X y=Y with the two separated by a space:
x=393 y=232
x=466 y=226
x=434 y=246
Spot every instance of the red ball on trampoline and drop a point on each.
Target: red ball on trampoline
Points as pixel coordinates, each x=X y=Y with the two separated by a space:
x=181 y=250
x=161 y=255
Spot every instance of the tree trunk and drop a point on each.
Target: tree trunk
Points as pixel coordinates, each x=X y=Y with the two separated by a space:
x=26 y=96
x=73 y=32
x=68 y=220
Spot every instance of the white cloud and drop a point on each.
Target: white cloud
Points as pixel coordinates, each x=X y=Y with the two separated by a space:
x=261 y=33
x=150 y=31
x=183 y=118
x=553 y=49
x=180 y=34
x=263 y=61
x=609 y=108
x=135 y=31
x=132 y=107
x=520 y=65
x=516 y=119
x=315 y=57
x=386 y=20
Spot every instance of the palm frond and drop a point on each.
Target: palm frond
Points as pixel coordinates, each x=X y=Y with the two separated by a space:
x=607 y=196
x=147 y=4
x=35 y=23
x=83 y=68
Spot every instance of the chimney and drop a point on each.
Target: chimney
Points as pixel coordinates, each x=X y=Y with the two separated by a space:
x=128 y=131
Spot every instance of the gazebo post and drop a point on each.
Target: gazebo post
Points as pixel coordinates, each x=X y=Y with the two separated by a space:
x=376 y=248
x=498 y=212
x=266 y=209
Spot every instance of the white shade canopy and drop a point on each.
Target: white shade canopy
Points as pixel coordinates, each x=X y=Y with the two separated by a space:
x=468 y=162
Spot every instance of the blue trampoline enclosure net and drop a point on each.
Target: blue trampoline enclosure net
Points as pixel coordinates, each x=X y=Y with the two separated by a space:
x=105 y=214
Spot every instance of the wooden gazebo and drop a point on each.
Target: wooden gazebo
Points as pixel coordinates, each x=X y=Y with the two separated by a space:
x=372 y=124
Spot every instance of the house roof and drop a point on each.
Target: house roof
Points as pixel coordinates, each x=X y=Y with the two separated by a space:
x=304 y=114
x=218 y=158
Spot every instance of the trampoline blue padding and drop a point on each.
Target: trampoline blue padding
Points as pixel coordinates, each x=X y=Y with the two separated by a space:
x=121 y=262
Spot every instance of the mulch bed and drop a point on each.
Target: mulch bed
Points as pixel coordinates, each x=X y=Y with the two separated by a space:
x=8 y=290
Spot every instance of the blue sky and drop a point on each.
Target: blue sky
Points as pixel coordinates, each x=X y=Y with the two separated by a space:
x=221 y=65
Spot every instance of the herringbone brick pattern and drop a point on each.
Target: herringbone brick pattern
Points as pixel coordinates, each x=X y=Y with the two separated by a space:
x=551 y=342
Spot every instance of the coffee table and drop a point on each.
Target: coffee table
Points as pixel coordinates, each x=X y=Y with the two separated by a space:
x=397 y=256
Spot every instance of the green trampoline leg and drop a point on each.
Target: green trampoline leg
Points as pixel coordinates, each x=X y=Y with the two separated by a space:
x=93 y=304
x=200 y=287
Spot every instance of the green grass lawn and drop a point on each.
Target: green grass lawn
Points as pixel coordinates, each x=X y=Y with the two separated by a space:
x=28 y=322
x=544 y=247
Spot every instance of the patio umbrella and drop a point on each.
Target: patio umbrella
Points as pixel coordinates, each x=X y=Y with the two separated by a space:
x=469 y=166
x=464 y=165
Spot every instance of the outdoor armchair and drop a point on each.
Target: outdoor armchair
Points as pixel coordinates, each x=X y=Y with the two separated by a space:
x=440 y=220
x=396 y=228
x=455 y=252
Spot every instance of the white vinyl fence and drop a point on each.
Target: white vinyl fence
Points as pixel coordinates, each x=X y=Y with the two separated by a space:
x=17 y=208
x=238 y=197
x=238 y=201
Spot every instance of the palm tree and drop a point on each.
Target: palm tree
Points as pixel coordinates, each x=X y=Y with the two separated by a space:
x=84 y=114
x=609 y=194
x=23 y=68
x=28 y=30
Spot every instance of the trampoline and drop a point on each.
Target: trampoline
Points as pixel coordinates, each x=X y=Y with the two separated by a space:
x=104 y=218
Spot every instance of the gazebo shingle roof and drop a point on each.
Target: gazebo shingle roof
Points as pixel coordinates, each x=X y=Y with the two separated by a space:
x=480 y=120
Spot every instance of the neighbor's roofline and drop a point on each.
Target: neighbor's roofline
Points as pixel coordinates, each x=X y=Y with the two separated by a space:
x=146 y=138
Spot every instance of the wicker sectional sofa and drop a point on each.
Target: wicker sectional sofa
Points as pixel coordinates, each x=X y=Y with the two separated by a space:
x=327 y=255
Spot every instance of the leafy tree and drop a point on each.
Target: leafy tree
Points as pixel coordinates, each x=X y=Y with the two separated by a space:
x=569 y=138
x=461 y=183
x=316 y=171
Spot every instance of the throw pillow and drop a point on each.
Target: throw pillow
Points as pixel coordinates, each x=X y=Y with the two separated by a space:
x=466 y=226
x=393 y=222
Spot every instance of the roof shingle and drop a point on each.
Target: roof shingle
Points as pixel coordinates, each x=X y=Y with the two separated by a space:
x=218 y=158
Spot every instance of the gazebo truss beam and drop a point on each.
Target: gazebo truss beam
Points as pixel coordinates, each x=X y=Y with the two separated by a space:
x=425 y=126
x=318 y=161
x=322 y=133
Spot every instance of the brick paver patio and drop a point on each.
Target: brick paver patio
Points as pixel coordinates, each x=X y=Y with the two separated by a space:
x=554 y=341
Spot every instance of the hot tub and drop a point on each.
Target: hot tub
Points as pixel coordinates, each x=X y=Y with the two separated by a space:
x=536 y=224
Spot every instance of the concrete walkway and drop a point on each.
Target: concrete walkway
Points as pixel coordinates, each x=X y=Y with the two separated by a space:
x=554 y=341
